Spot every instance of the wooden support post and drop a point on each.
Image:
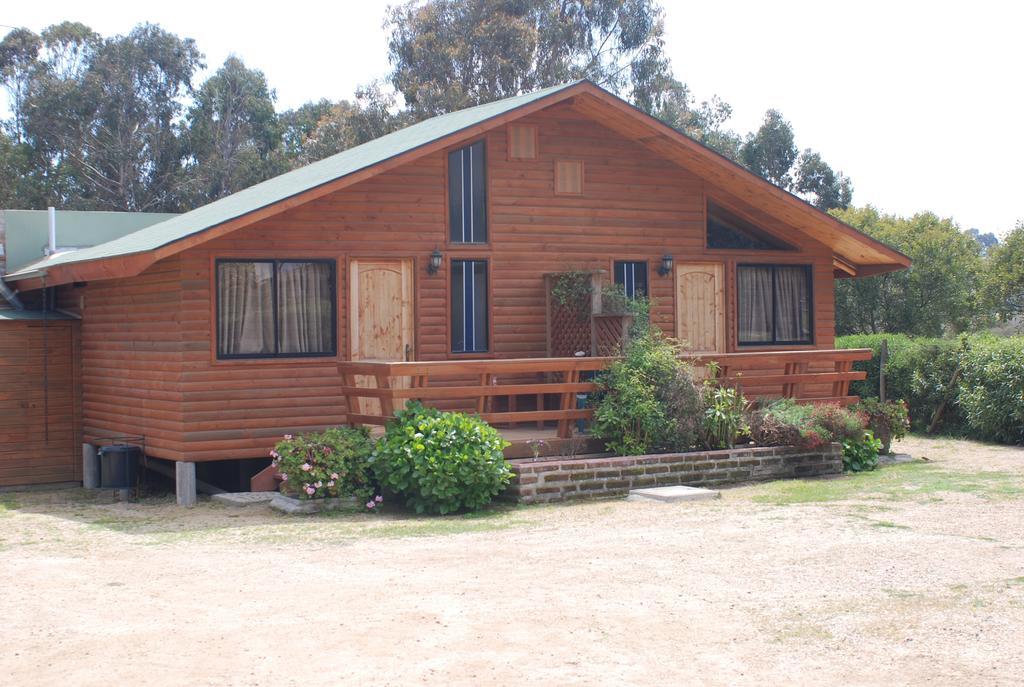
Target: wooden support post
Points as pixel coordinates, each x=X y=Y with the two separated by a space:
x=842 y=388
x=350 y=402
x=387 y=405
x=90 y=467
x=568 y=402
x=185 y=483
x=883 y=359
x=481 y=401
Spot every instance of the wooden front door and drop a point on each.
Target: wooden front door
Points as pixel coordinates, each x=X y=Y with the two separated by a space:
x=700 y=306
x=380 y=315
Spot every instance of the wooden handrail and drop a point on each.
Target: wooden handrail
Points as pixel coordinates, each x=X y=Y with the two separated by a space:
x=395 y=382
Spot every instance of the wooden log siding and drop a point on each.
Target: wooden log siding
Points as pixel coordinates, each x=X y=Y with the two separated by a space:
x=40 y=439
x=150 y=359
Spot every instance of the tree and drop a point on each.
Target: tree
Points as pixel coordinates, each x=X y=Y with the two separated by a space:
x=450 y=54
x=232 y=133
x=770 y=151
x=342 y=125
x=18 y=61
x=816 y=181
x=1004 y=276
x=298 y=124
x=937 y=295
x=988 y=240
x=704 y=122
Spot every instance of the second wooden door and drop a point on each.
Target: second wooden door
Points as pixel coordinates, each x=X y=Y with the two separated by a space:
x=700 y=306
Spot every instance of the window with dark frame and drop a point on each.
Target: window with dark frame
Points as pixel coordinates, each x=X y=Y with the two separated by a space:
x=467 y=194
x=775 y=305
x=631 y=275
x=276 y=308
x=469 y=308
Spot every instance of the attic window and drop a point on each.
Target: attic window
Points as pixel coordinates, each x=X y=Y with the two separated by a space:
x=728 y=231
x=467 y=194
x=522 y=142
x=568 y=177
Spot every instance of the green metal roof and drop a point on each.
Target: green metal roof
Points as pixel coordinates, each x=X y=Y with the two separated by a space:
x=294 y=182
x=28 y=230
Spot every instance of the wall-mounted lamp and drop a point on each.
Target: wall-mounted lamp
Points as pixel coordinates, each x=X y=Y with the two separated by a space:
x=666 y=265
x=435 y=262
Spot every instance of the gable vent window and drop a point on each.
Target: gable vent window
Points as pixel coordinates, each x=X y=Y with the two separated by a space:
x=728 y=231
x=469 y=306
x=568 y=177
x=522 y=142
x=632 y=277
x=467 y=194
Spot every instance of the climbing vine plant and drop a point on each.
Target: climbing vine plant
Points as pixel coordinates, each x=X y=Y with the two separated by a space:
x=572 y=291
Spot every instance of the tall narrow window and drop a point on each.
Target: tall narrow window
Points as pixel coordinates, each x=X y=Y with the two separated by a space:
x=774 y=304
x=467 y=194
x=469 y=306
x=275 y=308
x=632 y=277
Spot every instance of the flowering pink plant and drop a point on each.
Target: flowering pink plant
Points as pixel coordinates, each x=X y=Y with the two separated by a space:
x=327 y=464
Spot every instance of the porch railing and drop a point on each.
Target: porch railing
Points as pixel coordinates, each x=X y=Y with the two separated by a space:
x=374 y=390
x=475 y=381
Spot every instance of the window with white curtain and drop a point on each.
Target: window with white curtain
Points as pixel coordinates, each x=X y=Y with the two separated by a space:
x=774 y=304
x=275 y=308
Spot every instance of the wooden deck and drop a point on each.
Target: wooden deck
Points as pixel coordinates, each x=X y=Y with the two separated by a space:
x=537 y=398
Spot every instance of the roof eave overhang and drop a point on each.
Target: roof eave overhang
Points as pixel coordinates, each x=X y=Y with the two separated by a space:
x=130 y=265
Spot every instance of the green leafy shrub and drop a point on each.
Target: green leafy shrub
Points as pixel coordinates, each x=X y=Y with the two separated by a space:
x=919 y=371
x=787 y=423
x=334 y=462
x=978 y=381
x=861 y=454
x=647 y=401
x=615 y=301
x=837 y=423
x=724 y=418
x=887 y=421
x=441 y=462
x=991 y=395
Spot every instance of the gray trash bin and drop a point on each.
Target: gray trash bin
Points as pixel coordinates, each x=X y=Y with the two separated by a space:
x=119 y=465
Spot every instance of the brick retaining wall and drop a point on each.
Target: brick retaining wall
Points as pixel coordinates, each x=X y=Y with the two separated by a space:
x=547 y=480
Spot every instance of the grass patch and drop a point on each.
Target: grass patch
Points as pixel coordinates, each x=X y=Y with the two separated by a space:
x=888 y=524
x=906 y=481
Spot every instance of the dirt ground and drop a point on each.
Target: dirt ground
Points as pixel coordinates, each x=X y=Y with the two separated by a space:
x=910 y=575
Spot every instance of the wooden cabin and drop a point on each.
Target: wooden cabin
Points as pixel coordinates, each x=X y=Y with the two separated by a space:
x=416 y=264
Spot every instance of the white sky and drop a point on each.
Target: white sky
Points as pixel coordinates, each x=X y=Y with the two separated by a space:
x=920 y=103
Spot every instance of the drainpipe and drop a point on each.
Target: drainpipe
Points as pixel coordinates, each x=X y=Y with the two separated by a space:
x=51 y=217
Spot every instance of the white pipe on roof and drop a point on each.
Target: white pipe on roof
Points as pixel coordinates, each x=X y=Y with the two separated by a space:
x=51 y=215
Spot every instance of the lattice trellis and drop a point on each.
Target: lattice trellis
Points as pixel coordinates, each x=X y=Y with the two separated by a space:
x=580 y=325
x=609 y=334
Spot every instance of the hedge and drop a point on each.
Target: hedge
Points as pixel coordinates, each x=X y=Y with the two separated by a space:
x=986 y=401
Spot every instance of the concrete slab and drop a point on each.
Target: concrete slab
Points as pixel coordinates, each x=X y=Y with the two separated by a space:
x=894 y=458
x=244 y=498
x=292 y=506
x=673 y=494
